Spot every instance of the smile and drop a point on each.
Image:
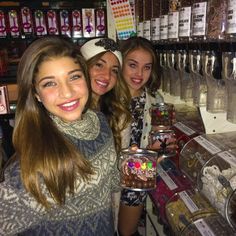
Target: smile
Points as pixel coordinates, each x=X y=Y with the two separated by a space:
x=102 y=84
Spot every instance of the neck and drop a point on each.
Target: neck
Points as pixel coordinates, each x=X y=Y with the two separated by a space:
x=136 y=93
x=95 y=101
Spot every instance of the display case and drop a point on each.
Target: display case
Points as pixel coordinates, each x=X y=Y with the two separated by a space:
x=211 y=225
x=201 y=149
x=217 y=182
x=185 y=207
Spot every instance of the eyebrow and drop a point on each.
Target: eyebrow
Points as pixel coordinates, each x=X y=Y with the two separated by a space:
x=106 y=62
x=51 y=77
x=132 y=60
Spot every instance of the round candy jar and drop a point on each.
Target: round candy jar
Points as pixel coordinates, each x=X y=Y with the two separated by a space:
x=138 y=169
x=166 y=138
x=217 y=181
x=162 y=114
x=169 y=181
x=212 y=225
x=230 y=210
x=196 y=153
x=185 y=207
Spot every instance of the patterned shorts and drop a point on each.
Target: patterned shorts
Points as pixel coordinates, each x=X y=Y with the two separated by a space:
x=133 y=198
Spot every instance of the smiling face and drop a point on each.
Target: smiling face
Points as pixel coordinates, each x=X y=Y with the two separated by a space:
x=103 y=74
x=61 y=87
x=137 y=70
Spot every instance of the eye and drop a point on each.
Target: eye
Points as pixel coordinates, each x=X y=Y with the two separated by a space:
x=98 y=65
x=76 y=77
x=132 y=65
x=115 y=71
x=148 y=67
x=49 y=84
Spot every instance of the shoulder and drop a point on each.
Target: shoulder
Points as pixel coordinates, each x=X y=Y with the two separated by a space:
x=12 y=177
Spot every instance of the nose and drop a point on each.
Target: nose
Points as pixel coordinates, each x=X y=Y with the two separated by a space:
x=139 y=71
x=65 y=90
x=107 y=73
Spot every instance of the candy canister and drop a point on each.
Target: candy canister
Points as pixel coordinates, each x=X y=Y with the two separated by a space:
x=138 y=169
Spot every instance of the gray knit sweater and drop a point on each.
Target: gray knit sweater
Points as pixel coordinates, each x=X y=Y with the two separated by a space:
x=87 y=213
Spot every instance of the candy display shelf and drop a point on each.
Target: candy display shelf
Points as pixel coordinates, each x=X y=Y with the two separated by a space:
x=213 y=122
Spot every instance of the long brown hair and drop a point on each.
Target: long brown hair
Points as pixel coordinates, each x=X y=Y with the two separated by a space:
x=46 y=156
x=114 y=104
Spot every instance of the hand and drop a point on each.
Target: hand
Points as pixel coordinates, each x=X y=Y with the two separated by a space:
x=157 y=145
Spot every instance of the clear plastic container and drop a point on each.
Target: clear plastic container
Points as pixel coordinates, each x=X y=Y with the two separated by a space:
x=199 y=10
x=155 y=20
x=164 y=20
x=199 y=83
x=183 y=133
x=162 y=115
x=173 y=21
x=185 y=207
x=229 y=75
x=185 y=20
x=169 y=181
x=174 y=75
x=216 y=19
x=166 y=138
x=216 y=86
x=138 y=169
x=165 y=72
x=217 y=182
x=196 y=153
x=231 y=19
x=211 y=225
x=231 y=210
x=186 y=87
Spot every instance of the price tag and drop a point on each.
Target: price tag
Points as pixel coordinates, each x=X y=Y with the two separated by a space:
x=228 y=157
x=166 y=178
x=188 y=201
x=203 y=228
x=185 y=129
x=207 y=145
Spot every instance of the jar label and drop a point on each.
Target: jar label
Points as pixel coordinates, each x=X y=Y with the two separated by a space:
x=147 y=29
x=155 y=29
x=203 y=228
x=188 y=201
x=184 y=21
x=164 y=27
x=173 y=25
x=185 y=129
x=199 y=19
x=228 y=157
x=140 y=29
x=166 y=178
x=231 y=18
x=207 y=145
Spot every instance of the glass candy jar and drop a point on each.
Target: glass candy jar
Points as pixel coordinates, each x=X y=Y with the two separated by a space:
x=169 y=181
x=229 y=76
x=138 y=169
x=217 y=181
x=212 y=225
x=162 y=114
x=186 y=207
x=196 y=153
x=166 y=138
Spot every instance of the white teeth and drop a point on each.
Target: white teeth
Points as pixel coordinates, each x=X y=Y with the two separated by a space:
x=69 y=104
x=102 y=83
